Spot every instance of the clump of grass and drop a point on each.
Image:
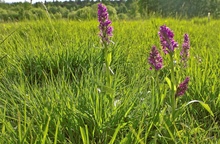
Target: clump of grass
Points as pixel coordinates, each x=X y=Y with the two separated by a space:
x=52 y=71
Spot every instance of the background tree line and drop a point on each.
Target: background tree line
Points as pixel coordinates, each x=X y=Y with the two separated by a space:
x=120 y=9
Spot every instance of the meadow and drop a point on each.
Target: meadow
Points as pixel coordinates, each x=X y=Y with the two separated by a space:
x=52 y=83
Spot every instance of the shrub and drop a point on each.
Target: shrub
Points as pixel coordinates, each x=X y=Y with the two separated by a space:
x=112 y=13
x=83 y=14
x=12 y=15
x=39 y=13
x=57 y=15
x=72 y=15
x=122 y=16
x=3 y=14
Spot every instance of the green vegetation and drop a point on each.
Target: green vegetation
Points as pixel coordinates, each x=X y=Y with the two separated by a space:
x=52 y=73
x=123 y=9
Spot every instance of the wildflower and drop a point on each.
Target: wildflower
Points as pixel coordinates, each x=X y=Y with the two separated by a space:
x=182 y=87
x=155 y=60
x=166 y=39
x=185 y=49
x=104 y=23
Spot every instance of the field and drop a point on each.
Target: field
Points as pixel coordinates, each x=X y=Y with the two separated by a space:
x=53 y=83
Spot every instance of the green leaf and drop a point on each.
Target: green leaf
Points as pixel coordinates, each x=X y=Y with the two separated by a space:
x=56 y=132
x=109 y=58
x=8 y=36
x=204 y=105
x=46 y=131
x=137 y=136
x=218 y=100
x=84 y=134
x=107 y=90
x=116 y=132
x=168 y=81
x=196 y=130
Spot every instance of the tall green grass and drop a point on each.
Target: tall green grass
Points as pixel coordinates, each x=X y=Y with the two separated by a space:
x=51 y=77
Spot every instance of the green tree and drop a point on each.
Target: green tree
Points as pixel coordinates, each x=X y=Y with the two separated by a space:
x=122 y=8
x=81 y=14
x=3 y=14
x=134 y=10
x=148 y=6
x=39 y=13
x=112 y=12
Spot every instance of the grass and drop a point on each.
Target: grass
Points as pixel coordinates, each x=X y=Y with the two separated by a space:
x=51 y=74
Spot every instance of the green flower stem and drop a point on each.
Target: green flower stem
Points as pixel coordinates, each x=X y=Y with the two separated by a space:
x=108 y=81
x=158 y=100
x=107 y=64
x=173 y=101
